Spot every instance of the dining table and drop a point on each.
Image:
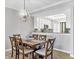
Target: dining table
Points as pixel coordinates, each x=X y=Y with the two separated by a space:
x=32 y=43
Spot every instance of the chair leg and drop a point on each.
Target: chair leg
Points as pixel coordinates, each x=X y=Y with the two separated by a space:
x=36 y=56
x=33 y=55
x=51 y=55
x=18 y=53
x=23 y=54
x=45 y=58
x=30 y=56
x=12 y=53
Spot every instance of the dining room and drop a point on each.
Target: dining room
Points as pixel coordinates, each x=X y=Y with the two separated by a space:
x=39 y=29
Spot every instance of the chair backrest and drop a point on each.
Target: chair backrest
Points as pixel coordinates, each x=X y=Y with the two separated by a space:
x=42 y=37
x=17 y=35
x=18 y=41
x=15 y=41
x=35 y=36
x=49 y=46
x=12 y=40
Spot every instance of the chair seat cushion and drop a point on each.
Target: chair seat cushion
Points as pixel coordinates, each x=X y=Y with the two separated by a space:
x=14 y=48
x=42 y=52
x=26 y=50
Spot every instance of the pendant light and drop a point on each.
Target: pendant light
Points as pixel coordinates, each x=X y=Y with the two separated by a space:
x=24 y=14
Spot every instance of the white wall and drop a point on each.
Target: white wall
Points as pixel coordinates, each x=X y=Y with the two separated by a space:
x=25 y=28
x=14 y=25
x=10 y=25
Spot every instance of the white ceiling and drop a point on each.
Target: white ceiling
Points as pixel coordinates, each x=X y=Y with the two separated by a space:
x=34 y=4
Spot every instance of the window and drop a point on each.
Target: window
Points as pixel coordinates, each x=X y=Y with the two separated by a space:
x=40 y=22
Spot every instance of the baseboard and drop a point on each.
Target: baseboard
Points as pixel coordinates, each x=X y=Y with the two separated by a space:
x=6 y=50
x=68 y=52
x=71 y=55
x=62 y=50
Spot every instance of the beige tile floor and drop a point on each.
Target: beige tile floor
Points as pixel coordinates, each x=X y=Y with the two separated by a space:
x=57 y=55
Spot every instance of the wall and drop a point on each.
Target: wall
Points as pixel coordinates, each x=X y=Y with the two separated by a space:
x=14 y=25
x=10 y=25
x=25 y=28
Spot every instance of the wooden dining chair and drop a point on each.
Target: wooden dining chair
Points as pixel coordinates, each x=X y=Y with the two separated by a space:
x=35 y=36
x=42 y=37
x=13 y=47
x=23 y=49
x=48 y=50
x=17 y=35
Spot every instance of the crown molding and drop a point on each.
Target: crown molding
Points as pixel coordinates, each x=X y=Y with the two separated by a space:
x=46 y=7
x=51 y=5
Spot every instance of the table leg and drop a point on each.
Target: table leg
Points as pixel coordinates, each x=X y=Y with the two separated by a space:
x=16 y=53
x=33 y=55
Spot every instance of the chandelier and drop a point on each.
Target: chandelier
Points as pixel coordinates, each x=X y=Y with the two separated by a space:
x=25 y=14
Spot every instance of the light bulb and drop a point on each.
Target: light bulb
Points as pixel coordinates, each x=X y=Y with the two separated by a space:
x=23 y=13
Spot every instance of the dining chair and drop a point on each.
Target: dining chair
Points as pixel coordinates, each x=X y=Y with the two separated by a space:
x=17 y=35
x=13 y=47
x=48 y=50
x=35 y=36
x=42 y=37
x=23 y=49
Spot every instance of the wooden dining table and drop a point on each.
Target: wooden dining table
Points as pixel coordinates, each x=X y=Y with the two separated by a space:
x=32 y=43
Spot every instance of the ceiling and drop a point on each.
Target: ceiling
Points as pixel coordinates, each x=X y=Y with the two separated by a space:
x=33 y=5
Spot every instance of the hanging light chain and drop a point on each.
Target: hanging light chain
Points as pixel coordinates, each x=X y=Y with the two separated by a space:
x=24 y=4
